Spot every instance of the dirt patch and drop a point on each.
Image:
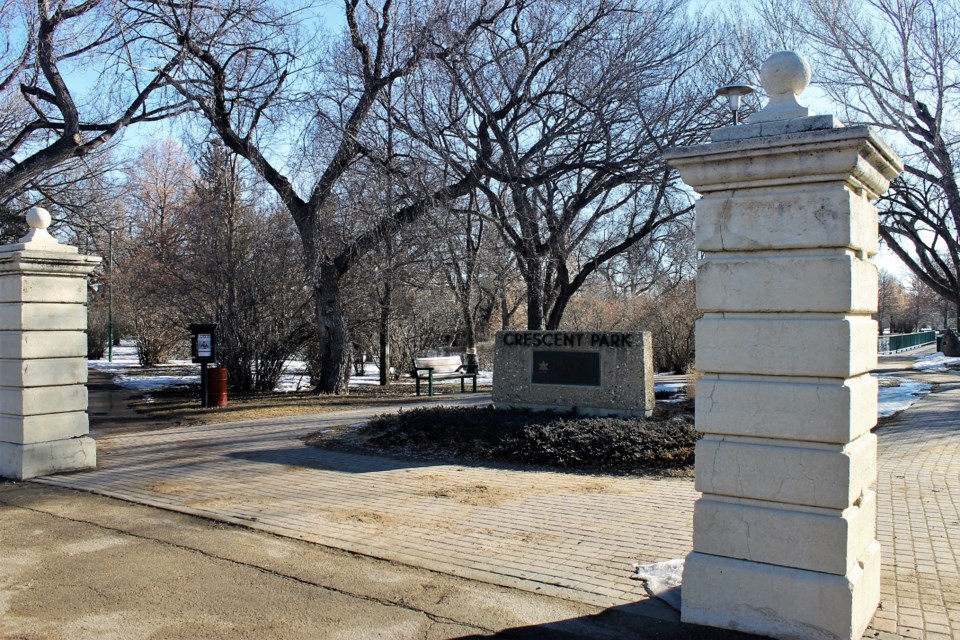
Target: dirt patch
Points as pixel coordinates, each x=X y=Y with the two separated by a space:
x=597 y=487
x=176 y=487
x=361 y=516
x=476 y=494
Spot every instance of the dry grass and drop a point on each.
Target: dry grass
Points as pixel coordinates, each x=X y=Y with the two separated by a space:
x=181 y=405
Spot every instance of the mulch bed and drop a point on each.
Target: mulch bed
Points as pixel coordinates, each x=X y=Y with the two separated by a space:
x=663 y=444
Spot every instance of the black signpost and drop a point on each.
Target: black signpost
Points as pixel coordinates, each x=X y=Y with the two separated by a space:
x=203 y=347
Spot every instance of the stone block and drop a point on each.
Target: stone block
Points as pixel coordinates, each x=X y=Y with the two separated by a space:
x=37 y=316
x=43 y=427
x=42 y=344
x=57 y=259
x=18 y=401
x=811 y=474
x=24 y=461
x=829 y=541
x=597 y=373
x=849 y=155
x=755 y=127
x=951 y=344
x=807 y=409
x=824 y=346
x=44 y=372
x=829 y=281
x=787 y=218
x=38 y=288
x=781 y=602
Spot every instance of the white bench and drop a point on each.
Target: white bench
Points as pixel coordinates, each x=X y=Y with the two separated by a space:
x=441 y=368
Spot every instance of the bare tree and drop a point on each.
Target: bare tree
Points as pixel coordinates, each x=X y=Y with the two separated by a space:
x=150 y=290
x=243 y=270
x=248 y=72
x=569 y=106
x=889 y=295
x=893 y=64
x=461 y=267
x=47 y=117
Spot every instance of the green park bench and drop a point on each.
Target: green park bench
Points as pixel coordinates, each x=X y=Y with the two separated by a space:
x=442 y=368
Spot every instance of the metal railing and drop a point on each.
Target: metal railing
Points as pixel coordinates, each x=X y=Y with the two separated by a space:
x=904 y=341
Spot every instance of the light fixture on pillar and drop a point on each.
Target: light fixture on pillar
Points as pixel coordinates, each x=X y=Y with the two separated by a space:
x=733 y=93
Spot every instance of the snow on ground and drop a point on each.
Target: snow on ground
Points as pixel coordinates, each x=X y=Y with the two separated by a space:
x=295 y=377
x=124 y=357
x=893 y=399
x=125 y=362
x=669 y=387
x=936 y=362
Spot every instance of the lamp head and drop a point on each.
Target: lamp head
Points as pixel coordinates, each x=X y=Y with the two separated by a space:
x=734 y=93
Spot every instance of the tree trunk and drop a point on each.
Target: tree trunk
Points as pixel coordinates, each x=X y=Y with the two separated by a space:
x=385 y=303
x=504 y=311
x=469 y=330
x=535 y=294
x=331 y=333
x=556 y=313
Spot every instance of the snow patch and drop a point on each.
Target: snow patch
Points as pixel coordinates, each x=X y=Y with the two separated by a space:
x=661 y=580
x=892 y=399
x=937 y=362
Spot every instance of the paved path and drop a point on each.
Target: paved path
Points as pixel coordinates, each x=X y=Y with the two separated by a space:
x=567 y=535
x=918 y=524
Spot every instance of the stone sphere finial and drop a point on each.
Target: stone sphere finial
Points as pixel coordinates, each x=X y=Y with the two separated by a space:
x=785 y=73
x=38 y=237
x=38 y=218
x=784 y=76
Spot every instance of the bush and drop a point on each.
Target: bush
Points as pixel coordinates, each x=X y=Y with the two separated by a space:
x=558 y=440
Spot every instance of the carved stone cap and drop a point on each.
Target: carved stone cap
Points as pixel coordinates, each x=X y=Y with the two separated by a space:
x=853 y=155
x=38 y=238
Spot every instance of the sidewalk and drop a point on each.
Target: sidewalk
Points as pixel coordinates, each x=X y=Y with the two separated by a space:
x=566 y=536
x=919 y=510
x=74 y=565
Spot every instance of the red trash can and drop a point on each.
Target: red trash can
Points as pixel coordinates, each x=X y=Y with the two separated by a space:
x=217 y=386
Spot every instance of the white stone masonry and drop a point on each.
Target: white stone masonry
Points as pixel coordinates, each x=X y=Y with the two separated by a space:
x=784 y=534
x=43 y=349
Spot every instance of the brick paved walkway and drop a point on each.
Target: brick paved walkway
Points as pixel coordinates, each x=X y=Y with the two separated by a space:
x=568 y=535
x=918 y=524
x=574 y=536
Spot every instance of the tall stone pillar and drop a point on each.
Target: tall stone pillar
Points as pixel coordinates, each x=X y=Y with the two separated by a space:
x=784 y=534
x=43 y=355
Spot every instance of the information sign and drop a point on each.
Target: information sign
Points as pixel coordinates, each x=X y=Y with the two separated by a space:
x=204 y=345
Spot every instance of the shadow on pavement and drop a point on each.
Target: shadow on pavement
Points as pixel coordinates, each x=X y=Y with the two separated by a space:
x=329 y=460
x=644 y=620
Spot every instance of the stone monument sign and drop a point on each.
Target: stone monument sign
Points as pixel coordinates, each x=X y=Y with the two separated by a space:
x=594 y=373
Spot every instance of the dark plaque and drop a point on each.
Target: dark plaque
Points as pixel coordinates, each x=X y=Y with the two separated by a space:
x=575 y=368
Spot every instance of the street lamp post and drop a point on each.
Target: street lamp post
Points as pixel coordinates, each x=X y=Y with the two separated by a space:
x=733 y=94
x=110 y=295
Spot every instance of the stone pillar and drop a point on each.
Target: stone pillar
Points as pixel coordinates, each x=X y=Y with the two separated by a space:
x=43 y=355
x=784 y=533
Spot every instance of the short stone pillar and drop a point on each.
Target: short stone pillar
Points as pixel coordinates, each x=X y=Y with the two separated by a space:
x=43 y=355
x=784 y=533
